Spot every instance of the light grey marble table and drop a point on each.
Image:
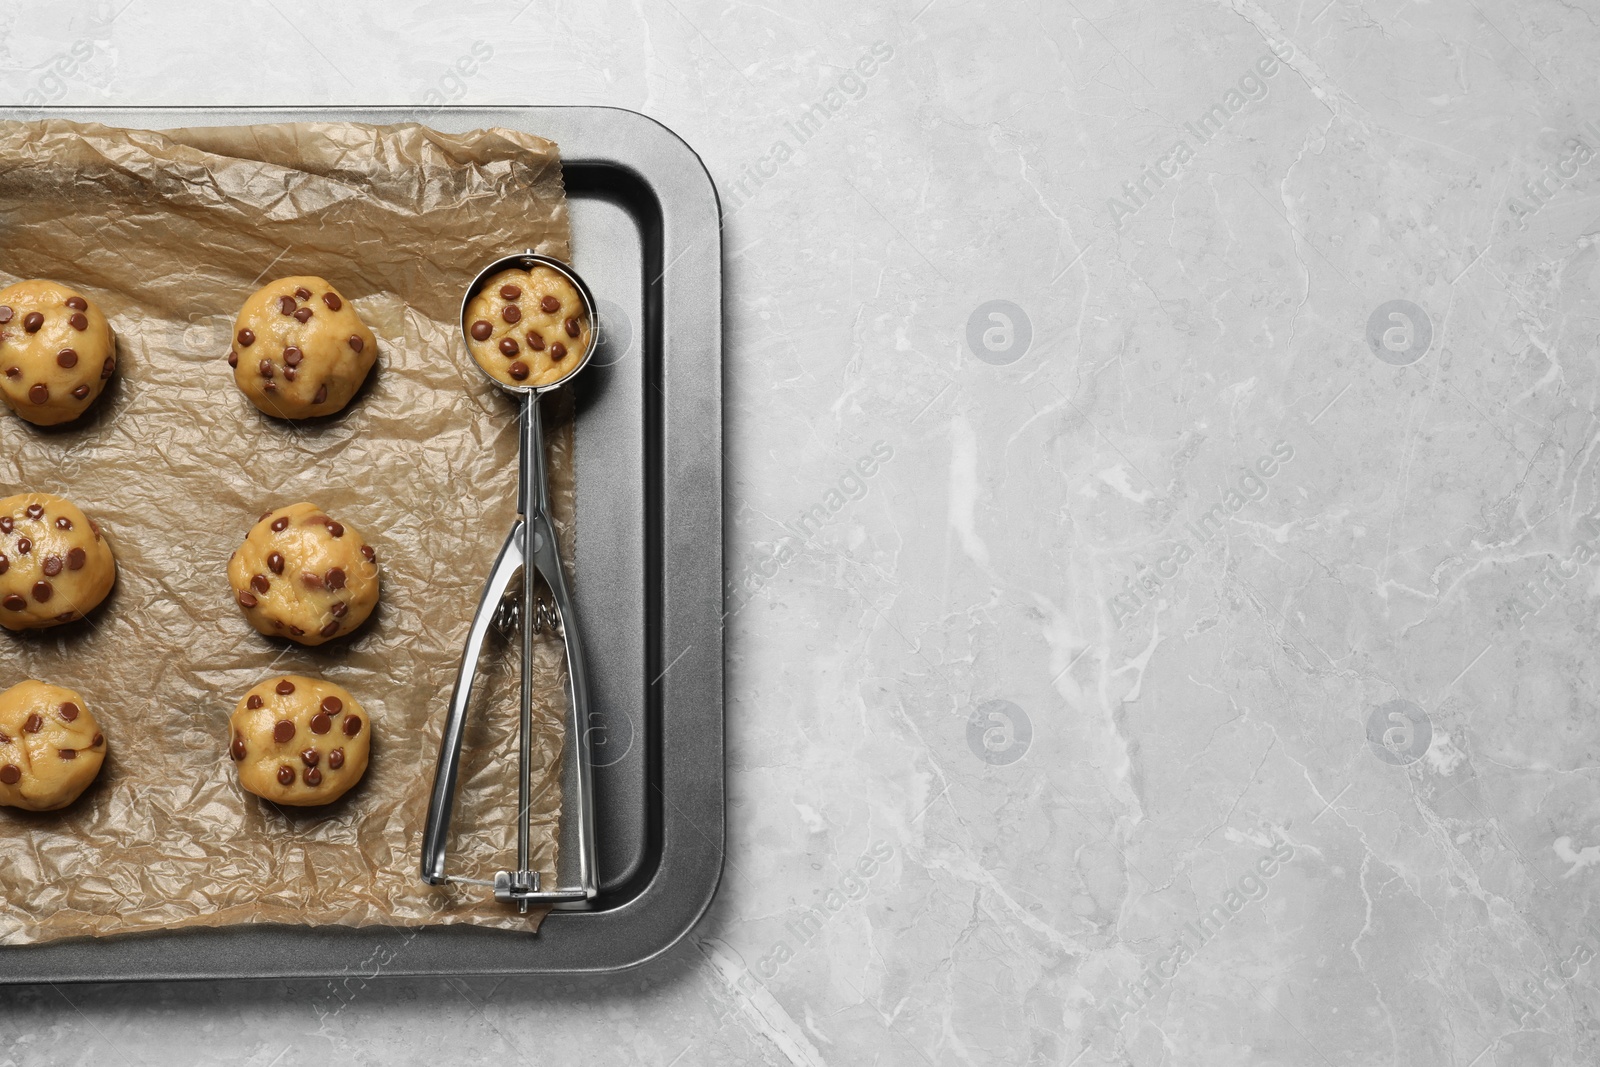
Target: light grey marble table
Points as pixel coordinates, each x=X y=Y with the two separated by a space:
x=1162 y=493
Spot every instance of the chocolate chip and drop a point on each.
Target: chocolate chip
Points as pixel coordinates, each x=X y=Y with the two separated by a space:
x=43 y=591
x=34 y=724
x=558 y=352
x=335 y=530
x=14 y=603
x=69 y=711
x=511 y=313
x=286 y=305
x=5 y=314
x=99 y=739
x=284 y=688
x=333 y=301
x=238 y=748
x=508 y=345
x=352 y=725
x=283 y=732
x=336 y=759
x=247 y=600
x=320 y=723
x=6 y=523
x=246 y=338
x=535 y=341
x=303 y=293
x=69 y=753
x=265 y=367
x=322 y=395
x=255 y=702
x=63 y=523
x=39 y=394
x=76 y=559
x=366 y=550
x=269 y=387
x=329 y=630
x=303 y=315
x=332 y=705
x=77 y=303
x=335 y=578
x=572 y=327
x=233 y=358
x=260 y=584
x=275 y=562
x=32 y=322
x=24 y=546
x=66 y=358
x=356 y=343
x=292 y=356
x=481 y=330
x=286 y=775
x=509 y=292
x=107 y=367
x=79 y=321
x=5 y=564
x=11 y=774
x=297 y=631
x=81 y=392
x=310 y=756
x=66 y=616
x=291 y=374
x=550 y=305
x=35 y=511
x=280 y=525
x=518 y=371
x=339 y=609
x=311 y=580
x=52 y=566
x=13 y=372
x=313 y=777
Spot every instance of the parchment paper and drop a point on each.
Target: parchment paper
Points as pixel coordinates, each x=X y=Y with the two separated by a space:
x=170 y=232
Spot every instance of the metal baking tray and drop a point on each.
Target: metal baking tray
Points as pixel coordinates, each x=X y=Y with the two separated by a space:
x=646 y=235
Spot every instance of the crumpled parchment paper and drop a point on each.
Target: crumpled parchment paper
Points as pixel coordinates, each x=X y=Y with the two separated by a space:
x=170 y=232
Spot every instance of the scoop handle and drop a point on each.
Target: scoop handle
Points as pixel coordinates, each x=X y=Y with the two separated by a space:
x=576 y=861
x=576 y=879
x=530 y=547
x=436 y=832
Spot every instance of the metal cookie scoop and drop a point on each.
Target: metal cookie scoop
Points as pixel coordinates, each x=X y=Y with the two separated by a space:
x=508 y=600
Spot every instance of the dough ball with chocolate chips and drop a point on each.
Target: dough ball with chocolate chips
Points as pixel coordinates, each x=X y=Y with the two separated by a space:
x=57 y=351
x=55 y=565
x=299 y=349
x=299 y=740
x=50 y=746
x=528 y=328
x=303 y=575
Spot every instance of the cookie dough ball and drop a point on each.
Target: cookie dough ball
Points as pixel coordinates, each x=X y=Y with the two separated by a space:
x=299 y=741
x=528 y=328
x=305 y=576
x=50 y=746
x=55 y=565
x=300 y=349
x=57 y=351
